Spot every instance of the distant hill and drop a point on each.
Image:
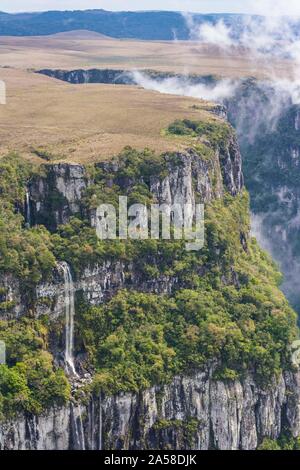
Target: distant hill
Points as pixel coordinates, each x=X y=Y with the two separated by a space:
x=152 y=25
x=81 y=34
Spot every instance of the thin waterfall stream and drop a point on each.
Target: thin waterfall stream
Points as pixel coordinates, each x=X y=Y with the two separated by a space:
x=70 y=314
x=100 y=422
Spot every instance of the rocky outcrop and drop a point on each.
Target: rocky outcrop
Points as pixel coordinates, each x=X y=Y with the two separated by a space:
x=193 y=412
x=230 y=160
x=56 y=195
x=191 y=177
x=187 y=179
x=120 y=77
x=80 y=76
x=11 y=297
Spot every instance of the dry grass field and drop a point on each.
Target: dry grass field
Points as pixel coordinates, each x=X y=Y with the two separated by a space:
x=83 y=49
x=44 y=117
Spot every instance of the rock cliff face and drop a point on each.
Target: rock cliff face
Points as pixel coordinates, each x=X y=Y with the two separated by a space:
x=56 y=195
x=118 y=77
x=194 y=412
x=207 y=179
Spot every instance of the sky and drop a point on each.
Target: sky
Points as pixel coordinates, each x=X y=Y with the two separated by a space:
x=264 y=7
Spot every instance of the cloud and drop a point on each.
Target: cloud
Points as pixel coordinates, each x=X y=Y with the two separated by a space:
x=262 y=37
x=218 y=91
x=217 y=34
x=274 y=32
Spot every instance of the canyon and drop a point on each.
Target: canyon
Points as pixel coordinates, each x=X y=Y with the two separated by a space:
x=142 y=344
x=266 y=120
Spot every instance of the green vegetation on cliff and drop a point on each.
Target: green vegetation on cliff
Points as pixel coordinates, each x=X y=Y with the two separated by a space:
x=24 y=253
x=225 y=308
x=285 y=442
x=233 y=315
x=28 y=381
x=215 y=132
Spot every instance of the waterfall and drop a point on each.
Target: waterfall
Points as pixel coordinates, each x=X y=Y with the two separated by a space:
x=80 y=433
x=77 y=428
x=100 y=422
x=32 y=433
x=70 y=313
x=27 y=209
x=91 y=415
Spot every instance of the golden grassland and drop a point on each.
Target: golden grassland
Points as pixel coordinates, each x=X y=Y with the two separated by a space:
x=83 y=49
x=48 y=118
